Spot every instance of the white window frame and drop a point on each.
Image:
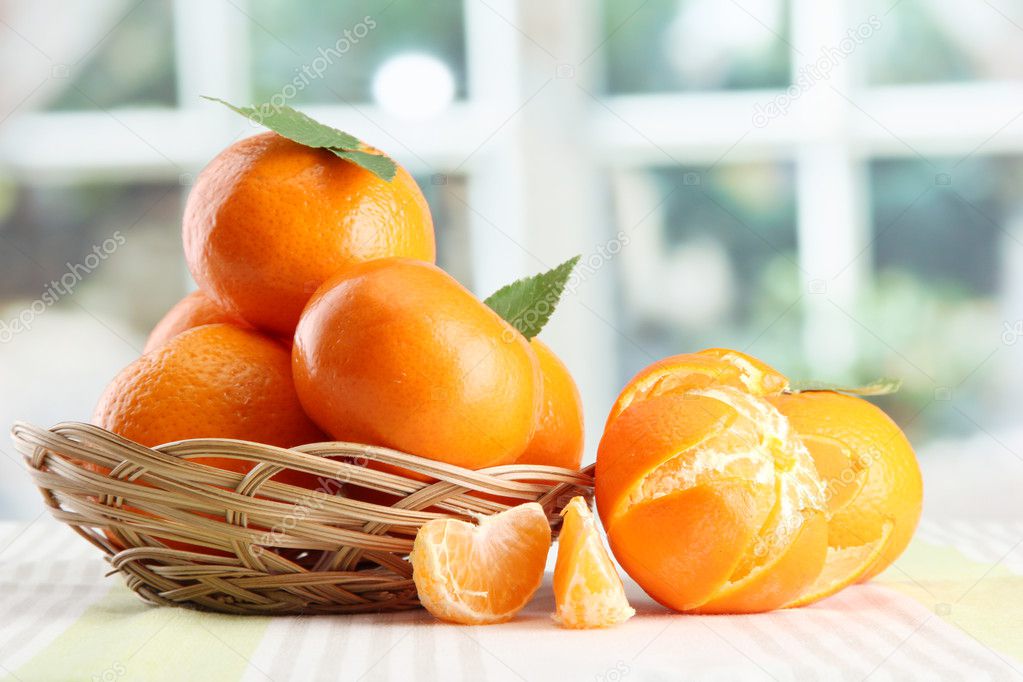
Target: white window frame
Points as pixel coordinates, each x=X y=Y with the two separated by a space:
x=536 y=146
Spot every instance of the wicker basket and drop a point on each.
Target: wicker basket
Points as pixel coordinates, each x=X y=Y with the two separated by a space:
x=271 y=548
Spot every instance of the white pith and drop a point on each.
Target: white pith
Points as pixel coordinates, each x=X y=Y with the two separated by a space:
x=751 y=377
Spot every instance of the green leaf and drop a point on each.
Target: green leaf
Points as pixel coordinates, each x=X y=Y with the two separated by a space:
x=298 y=127
x=527 y=304
x=882 y=386
x=378 y=164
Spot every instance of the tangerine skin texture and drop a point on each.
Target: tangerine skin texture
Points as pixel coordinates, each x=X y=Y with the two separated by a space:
x=395 y=352
x=214 y=381
x=269 y=220
x=194 y=310
x=558 y=440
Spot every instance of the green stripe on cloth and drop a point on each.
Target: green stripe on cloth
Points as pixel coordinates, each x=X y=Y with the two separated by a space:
x=122 y=638
x=985 y=601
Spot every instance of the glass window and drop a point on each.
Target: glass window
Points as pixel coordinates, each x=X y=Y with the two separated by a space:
x=672 y=45
x=923 y=41
x=945 y=247
x=710 y=261
x=85 y=271
x=331 y=52
x=126 y=58
x=450 y=223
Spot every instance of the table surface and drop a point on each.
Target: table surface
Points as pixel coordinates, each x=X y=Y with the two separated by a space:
x=951 y=608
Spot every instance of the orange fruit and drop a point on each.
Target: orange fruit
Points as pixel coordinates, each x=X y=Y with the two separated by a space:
x=269 y=220
x=482 y=573
x=873 y=484
x=395 y=352
x=213 y=381
x=587 y=590
x=558 y=440
x=194 y=310
x=710 y=503
x=839 y=503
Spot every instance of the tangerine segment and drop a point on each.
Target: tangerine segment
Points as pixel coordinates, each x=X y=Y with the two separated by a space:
x=483 y=573
x=688 y=371
x=683 y=547
x=842 y=567
x=878 y=484
x=588 y=592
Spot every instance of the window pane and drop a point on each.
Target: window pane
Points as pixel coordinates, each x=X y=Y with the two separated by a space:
x=127 y=59
x=939 y=40
x=450 y=223
x=944 y=309
x=671 y=45
x=85 y=270
x=330 y=51
x=710 y=261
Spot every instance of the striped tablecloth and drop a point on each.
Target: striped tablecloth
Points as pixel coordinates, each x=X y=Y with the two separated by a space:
x=952 y=608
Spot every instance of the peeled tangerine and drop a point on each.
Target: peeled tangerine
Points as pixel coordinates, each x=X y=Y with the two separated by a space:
x=483 y=573
x=722 y=493
x=587 y=590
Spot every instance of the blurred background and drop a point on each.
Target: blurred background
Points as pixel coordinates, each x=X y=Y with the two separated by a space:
x=835 y=187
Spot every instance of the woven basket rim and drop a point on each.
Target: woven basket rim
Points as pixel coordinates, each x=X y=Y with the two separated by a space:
x=185 y=533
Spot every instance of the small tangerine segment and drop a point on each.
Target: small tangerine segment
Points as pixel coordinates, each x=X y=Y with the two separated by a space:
x=588 y=593
x=477 y=574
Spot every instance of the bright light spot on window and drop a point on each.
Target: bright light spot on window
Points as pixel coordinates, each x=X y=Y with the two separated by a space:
x=414 y=86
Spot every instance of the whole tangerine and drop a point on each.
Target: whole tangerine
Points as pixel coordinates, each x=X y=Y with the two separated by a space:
x=213 y=381
x=269 y=220
x=395 y=352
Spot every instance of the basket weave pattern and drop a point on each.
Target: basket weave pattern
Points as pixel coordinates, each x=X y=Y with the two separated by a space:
x=271 y=548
